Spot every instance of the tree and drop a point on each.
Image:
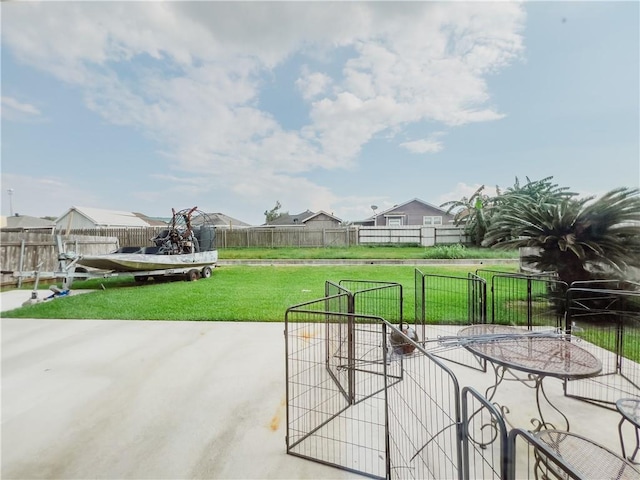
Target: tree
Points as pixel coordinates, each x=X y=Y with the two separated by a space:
x=579 y=239
x=477 y=211
x=537 y=190
x=271 y=215
x=473 y=212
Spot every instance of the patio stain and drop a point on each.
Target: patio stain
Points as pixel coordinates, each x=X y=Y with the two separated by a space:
x=306 y=335
x=277 y=418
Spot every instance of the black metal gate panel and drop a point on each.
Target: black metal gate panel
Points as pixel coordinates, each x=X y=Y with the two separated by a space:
x=371 y=411
x=354 y=401
x=335 y=406
x=357 y=297
x=522 y=300
x=339 y=338
x=423 y=416
x=485 y=443
x=357 y=402
x=444 y=304
x=607 y=323
x=381 y=299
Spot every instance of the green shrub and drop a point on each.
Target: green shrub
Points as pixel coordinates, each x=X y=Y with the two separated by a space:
x=450 y=252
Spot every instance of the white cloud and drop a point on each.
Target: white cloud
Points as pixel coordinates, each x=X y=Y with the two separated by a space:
x=460 y=191
x=13 y=109
x=190 y=74
x=312 y=85
x=55 y=194
x=423 y=146
x=430 y=144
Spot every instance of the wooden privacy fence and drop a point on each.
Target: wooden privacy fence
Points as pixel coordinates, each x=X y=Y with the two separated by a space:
x=127 y=236
x=23 y=251
x=262 y=237
x=28 y=251
x=287 y=237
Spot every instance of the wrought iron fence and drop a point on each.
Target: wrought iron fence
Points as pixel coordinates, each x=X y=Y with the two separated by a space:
x=357 y=402
x=525 y=300
x=604 y=315
x=382 y=415
x=335 y=390
x=445 y=303
x=485 y=445
x=424 y=416
x=607 y=321
x=382 y=299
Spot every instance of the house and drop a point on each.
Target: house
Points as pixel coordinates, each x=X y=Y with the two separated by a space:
x=85 y=217
x=411 y=213
x=309 y=219
x=27 y=223
x=154 y=222
x=220 y=220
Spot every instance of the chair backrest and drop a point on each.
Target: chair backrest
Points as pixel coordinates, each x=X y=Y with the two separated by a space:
x=590 y=459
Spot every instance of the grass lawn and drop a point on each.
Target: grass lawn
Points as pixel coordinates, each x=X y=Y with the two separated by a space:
x=241 y=293
x=360 y=252
x=233 y=293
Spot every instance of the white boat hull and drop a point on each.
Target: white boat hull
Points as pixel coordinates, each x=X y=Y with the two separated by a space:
x=141 y=262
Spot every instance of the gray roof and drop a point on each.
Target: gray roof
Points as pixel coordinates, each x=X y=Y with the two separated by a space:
x=299 y=219
x=287 y=219
x=26 y=222
x=219 y=220
x=154 y=222
x=222 y=220
x=395 y=207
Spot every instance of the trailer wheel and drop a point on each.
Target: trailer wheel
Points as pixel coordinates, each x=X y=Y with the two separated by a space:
x=206 y=272
x=140 y=278
x=192 y=275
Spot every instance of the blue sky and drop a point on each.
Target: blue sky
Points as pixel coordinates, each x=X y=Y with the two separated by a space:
x=334 y=106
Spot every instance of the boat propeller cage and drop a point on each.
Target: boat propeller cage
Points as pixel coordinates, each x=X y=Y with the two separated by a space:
x=190 y=231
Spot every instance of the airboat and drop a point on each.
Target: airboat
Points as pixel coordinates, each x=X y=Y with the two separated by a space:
x=187 y=247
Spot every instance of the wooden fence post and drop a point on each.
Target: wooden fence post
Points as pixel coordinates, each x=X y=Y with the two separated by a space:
x=21 y=262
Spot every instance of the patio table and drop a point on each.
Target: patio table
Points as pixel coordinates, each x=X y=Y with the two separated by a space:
x=539 y=354
x=629 y=408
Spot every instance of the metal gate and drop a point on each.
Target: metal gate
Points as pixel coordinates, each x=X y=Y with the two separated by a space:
x=354 y=403
x=381 y=299
x=444 y=304
x=485 y=446
x=607 y=321
x=532 y=301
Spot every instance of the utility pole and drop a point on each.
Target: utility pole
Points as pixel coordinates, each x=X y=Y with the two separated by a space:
x=10 y=192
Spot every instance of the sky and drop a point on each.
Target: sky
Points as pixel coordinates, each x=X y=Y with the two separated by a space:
x=321 y=106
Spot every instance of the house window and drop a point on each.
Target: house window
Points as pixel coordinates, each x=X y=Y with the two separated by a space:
x=394 y=221
x=431 y=221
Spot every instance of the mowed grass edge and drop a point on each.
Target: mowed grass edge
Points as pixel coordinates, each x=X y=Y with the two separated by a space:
x=362 y=252
x=233 y=293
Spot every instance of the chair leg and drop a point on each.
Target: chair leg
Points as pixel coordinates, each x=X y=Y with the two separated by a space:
x=632 y=458
x=621 y=439
x=635 y=452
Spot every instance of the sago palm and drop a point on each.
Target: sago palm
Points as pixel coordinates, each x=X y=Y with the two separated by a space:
x=578 y=239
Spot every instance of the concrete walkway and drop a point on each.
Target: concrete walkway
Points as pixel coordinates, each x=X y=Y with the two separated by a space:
x=119 y=399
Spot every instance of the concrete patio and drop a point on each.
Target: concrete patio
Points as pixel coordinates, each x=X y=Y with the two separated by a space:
x=119 y=399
